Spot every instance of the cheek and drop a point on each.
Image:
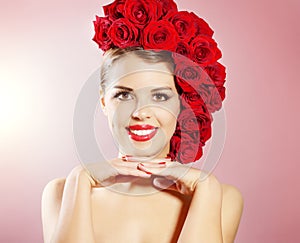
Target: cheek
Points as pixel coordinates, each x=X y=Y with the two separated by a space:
x=119 y=114
x=171 y=106
x=167 y=115
x=172 y=122
x=167 y=120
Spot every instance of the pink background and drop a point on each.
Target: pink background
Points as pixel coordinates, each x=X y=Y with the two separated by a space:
x=46 y=55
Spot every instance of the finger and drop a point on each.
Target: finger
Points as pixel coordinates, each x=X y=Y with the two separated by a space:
x=145 y=159
x=118 y=167
x=125 y=178
x=160 y=164
x=134 y=172
x=149 y=170
x=125 y=168
x=121 y=164
x=172 y=171
x=133 y=163
x=156 y=163
x=164 y=184
x=132 y=156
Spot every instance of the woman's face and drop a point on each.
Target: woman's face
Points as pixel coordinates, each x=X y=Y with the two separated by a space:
x=142 y=105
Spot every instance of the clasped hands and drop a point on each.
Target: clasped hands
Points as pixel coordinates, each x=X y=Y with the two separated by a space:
x=167 y=174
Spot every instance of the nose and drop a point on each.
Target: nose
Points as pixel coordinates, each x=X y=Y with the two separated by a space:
x=142 y=113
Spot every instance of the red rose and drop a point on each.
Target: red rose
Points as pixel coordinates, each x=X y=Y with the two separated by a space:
x=213 y=97
x=204 y=94
x=142 y=12
x=221 y=91
x=204 y=50
x=183 y=49
x=192 y=100
x=202 y=28
x=183 y=85
x=192 y=131
x=160 y=35
x=204 y=119
x=209 y=96
x=187 y=121
x=217 y=72
x=191 y=120
x=183 y=22
x=168 y=6
x=184 y=149
x=199 y=153
x=189 y=75
x=188 y=150
x=123 y=33
x=174 y=146
x=114 y=10
x=101 y=26
x=194 y=121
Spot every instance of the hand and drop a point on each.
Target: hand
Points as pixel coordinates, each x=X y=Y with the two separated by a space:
x=173 y=175
x=116 y=171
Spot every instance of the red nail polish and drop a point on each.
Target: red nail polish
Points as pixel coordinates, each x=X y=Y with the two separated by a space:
x=162 y=163
x=147 y=172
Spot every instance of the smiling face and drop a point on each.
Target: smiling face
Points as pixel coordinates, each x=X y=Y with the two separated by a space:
x=142 y=105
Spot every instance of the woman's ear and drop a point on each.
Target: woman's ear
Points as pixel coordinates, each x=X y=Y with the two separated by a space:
x=102 y=102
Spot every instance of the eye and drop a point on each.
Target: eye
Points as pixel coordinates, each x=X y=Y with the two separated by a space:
x=160 y=97
x=123 y=95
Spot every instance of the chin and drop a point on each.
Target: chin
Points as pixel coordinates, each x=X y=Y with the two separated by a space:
x=150 y=148
x=142 y=149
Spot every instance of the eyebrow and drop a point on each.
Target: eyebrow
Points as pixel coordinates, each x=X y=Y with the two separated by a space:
x=161 y=88
x=122 y=87
x=152 y=90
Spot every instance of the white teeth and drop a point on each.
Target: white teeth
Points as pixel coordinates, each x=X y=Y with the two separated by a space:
x=142 y=132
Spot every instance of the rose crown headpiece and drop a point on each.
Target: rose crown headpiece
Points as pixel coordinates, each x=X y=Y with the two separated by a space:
x=158 y=25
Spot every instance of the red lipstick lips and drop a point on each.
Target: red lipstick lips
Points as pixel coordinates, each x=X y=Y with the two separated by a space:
x=141 y=133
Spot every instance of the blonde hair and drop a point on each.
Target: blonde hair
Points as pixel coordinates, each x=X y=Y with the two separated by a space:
x=149 y=56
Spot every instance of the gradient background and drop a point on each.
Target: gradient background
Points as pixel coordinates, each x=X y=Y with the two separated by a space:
x=46 y=55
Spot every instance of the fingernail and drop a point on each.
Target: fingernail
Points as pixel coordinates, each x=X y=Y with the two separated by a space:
x=147 y=172
x=162 y=163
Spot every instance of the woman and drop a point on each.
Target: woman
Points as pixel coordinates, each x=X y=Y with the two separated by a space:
x=145 y=194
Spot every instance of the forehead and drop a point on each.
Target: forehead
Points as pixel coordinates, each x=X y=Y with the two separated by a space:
x=144 y=79
x=137 y=73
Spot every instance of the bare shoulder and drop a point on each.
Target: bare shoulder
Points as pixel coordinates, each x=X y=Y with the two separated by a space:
x=54 y=189
x=51 y=203
x=232 y=209
x=52 y=196
x=232 y=193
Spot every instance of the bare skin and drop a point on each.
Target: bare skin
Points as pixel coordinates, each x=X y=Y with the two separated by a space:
x=77 y=210
x=103 y=206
